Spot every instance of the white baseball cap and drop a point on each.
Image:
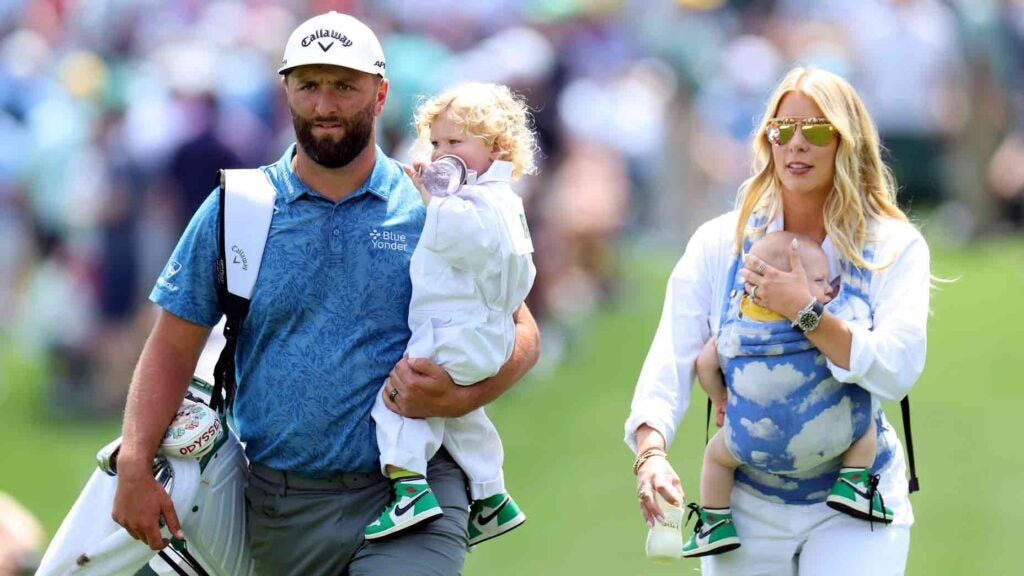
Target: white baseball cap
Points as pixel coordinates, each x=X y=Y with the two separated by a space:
x=336 y=39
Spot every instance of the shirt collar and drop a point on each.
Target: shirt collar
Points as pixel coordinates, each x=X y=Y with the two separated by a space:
x=380 y=183
x=834 y=269
x=500 y=171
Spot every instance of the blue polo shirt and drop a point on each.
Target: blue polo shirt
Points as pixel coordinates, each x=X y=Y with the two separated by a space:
x=328 y=318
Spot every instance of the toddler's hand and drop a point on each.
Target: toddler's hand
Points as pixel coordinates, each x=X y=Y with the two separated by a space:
x=413 y=172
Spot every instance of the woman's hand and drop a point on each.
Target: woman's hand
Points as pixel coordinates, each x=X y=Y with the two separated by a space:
x=654 y=475
x=657 y=476
x=781 y=292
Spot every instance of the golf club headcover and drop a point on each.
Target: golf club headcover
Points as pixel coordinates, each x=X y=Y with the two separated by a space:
x=193 y=432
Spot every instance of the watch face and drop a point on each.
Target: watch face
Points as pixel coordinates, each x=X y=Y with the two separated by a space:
x=808 y=321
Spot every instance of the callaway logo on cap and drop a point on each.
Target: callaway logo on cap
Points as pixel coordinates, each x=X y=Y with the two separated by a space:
x=336 y=39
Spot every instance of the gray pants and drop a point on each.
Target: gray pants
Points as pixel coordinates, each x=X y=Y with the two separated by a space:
x=315 y=527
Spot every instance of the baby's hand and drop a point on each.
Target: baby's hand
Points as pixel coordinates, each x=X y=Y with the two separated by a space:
x=720 y=411
x=719 y=400
x=413 y=172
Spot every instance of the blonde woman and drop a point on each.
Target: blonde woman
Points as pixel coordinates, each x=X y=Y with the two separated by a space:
x=471 y=271
x=817 y=173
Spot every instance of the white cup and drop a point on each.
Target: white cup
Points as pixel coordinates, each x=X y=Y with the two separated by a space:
x=665 y=538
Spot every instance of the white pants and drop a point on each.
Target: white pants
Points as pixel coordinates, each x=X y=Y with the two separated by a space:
x=472 y=440
x=815 y=540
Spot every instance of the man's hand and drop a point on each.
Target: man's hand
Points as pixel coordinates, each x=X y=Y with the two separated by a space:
x=158 y=386
x=424 y=390
x=139 y=503
x=419 y=388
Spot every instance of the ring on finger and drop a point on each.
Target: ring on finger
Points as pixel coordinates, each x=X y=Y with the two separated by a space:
x=393 y=394
x=753 y=292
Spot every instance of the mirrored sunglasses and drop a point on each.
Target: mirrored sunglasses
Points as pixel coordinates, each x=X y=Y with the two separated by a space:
x=817 y=131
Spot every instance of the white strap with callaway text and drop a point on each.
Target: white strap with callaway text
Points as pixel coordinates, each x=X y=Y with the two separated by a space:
x=248 y=208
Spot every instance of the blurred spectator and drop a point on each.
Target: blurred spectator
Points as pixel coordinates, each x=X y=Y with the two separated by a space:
x=195 y=161
x=725 y=109
x=1005 y=171
x=58 y=323
x=117 y=343
x=588 y=202
x=21 y=539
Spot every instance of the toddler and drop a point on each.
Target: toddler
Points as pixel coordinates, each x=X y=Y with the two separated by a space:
x=470 y=271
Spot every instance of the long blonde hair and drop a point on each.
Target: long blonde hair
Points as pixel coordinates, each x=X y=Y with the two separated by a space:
x=491 y=112
x=863 y=188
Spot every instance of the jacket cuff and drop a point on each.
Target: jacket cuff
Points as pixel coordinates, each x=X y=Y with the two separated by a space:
x=636 y=420
x=861 y=355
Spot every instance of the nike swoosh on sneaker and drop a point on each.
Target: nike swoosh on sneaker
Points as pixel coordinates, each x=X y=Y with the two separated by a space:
x=864 y=494
x=400 y=510
x=711 y=528
x=486 y=518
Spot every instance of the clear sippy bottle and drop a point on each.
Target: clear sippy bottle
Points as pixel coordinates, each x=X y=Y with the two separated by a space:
x=665 y=538
x=443 y=176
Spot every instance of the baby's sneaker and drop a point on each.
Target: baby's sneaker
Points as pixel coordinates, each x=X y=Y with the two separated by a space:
x=413 y=502
x=714 y=533
x=493 y=516
x=856 y=493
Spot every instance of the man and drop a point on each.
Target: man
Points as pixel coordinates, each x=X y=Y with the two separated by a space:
x=327 y=323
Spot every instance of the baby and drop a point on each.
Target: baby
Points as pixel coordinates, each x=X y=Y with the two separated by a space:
x=850 y=493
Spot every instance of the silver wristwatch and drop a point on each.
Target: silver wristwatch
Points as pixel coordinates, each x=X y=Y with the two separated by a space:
x=809 y=316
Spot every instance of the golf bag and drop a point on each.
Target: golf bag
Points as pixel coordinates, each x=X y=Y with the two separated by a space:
x=207 y=492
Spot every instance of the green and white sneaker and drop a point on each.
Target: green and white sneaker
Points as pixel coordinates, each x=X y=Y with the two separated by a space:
x=413 y=503
x=714 y=533
x=856 y=493
x=492 y=517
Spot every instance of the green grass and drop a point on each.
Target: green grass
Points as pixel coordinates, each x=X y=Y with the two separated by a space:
x=569 y=469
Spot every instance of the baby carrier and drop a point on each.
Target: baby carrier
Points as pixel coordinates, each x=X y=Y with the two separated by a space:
x=788 y=421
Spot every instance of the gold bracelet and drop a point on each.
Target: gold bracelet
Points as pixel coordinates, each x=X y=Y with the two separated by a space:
x=645 y=456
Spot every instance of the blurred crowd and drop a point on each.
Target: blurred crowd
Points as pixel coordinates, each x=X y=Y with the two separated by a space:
x=116 y=115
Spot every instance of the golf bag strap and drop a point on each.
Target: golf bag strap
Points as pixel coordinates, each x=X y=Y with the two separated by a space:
x=246 y=208
x=914 y=485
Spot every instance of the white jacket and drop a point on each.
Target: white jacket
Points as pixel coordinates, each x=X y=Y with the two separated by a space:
x=470 y=271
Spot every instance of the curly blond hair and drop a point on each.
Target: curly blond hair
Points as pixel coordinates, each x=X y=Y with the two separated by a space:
x=863 y=188
x=491 y=112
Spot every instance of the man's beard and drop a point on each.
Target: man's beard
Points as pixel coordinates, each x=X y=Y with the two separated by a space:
x=327 y=151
